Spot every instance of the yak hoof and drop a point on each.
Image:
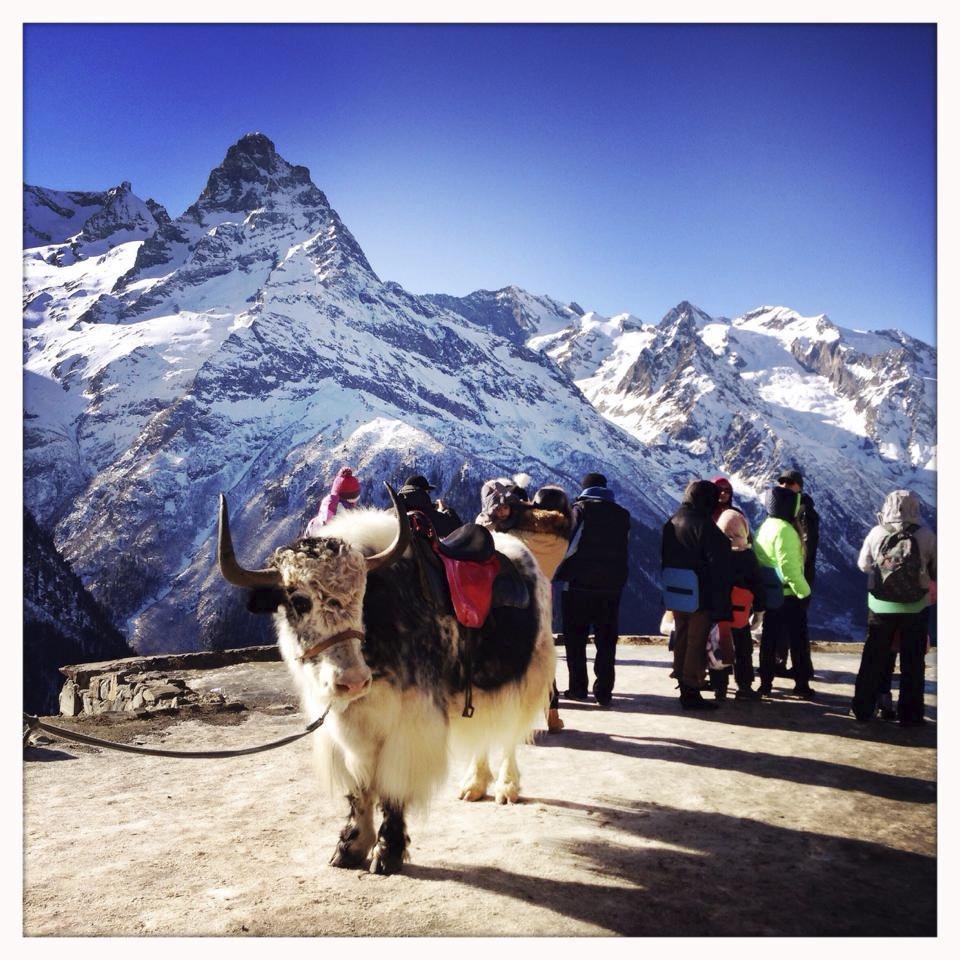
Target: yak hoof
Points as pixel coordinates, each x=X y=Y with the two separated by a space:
x=473 y=792
x=507 y=792
x=349 y=859
x=386 y=862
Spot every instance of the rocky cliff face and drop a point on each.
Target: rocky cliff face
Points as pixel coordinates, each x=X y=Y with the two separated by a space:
x=248 y=346
x=62 y=623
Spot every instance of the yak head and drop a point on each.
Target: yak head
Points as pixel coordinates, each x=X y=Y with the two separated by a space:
x=315 y=588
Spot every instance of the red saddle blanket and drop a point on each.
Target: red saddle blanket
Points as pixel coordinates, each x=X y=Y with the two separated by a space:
x=471 y=588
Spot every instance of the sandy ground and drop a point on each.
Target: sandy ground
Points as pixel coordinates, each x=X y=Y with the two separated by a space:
x=781 y=817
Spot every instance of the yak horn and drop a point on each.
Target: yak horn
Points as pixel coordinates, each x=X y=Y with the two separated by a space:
x=395 y=550
x=231 y=570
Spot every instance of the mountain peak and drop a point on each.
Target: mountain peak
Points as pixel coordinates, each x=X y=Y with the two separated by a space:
x=251 y=175
x=684 y=311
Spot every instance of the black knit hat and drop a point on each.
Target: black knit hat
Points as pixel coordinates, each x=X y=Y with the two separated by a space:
x=593 y=480
x=791 y=476
x=418 y=482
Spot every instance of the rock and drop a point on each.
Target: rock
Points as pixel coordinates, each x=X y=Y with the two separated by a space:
x=137 y=702
x=70 y=703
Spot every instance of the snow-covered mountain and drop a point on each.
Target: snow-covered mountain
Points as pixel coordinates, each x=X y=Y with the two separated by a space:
x=248 y=346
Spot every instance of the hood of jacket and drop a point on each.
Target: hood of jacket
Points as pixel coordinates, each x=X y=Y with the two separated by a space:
x=538 y=520
x=781 y=503
x=900 y=509
x=701 y=495
x=734 y=525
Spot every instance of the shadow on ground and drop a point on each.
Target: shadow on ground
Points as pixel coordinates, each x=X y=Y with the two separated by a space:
x=806 y=770
x=662 y=871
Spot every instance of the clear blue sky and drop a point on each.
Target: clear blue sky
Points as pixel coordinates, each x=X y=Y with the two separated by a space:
x=627 y=167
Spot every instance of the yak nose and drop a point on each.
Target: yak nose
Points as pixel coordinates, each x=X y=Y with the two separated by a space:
x=352 y=683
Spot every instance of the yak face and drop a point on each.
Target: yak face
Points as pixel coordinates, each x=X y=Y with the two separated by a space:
x=315 y=589
x=324 y=580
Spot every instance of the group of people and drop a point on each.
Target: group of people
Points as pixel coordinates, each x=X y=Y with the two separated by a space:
x=580 y=546
x=770 y=574
x=735 y=576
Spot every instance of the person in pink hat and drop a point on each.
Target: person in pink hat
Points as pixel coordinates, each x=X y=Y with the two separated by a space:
x=344 y=494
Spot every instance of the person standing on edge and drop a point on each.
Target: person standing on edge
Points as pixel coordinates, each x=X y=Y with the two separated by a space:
x=692 y=541
x=808 y=526
x=777 y=544
x=544 y=528
x=746 y=574
x=593 y=573
x=344 y=494
x=900 y=556
x=415 y=495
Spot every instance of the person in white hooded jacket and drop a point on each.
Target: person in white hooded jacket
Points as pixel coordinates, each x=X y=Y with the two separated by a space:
x=900 y=557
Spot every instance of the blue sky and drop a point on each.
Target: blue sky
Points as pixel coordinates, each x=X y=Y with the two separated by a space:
x=627 y=167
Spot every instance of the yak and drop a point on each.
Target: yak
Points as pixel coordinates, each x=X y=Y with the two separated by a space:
x=366 y=640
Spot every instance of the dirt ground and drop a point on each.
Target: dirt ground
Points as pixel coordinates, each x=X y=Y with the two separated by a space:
x=774 y=818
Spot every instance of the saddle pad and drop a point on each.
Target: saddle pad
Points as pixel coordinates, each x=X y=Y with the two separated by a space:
x=471 y=542
x=680 y=589
x=471 y=588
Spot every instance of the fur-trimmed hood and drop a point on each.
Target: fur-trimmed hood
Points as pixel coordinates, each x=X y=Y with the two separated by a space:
x=537 y=520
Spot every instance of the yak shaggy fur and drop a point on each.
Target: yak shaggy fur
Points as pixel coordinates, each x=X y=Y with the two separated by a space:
x=391 y=743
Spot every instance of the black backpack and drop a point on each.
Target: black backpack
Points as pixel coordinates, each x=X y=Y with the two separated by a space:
x=898 y=568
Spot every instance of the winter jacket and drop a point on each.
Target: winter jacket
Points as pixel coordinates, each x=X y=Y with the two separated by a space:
x=777 y=543
x=330 y=506
x=692 y=541
x=901 y=509
x=546 y=534
x=415 y=498
x=596 y=559
x=808 y=526
x=746 y=567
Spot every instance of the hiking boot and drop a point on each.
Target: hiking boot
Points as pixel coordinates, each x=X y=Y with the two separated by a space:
x=554 y=723
x=765 y=689
x=748 y=694
x=804 y=693
x=720 y=693
x=576 y=695
x=603 y=697
x=692 y=699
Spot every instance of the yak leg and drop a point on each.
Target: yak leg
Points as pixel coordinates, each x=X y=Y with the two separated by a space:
x=392 y=840
x=507 y=789
x=474 y=784
x=357 y=836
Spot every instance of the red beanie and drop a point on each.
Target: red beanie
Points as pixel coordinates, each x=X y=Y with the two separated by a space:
x=722 y=482
x=345 y=484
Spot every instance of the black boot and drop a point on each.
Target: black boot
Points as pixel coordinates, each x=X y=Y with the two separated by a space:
x=691 y=699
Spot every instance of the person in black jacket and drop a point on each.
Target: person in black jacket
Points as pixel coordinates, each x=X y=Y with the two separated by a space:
x=415 y=495
x=807 y=523
x=692 y=541
x=593 y=573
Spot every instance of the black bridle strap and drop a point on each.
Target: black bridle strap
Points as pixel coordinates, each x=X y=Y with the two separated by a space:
x=35 y=723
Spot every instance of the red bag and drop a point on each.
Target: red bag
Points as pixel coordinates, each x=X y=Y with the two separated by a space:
x=741 y=600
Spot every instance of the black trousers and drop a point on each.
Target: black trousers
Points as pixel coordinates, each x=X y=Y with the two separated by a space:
x=581 y=610
x=875 y=663
x=786 y=623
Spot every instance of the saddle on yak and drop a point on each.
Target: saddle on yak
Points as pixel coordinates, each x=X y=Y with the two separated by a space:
x=475 y=578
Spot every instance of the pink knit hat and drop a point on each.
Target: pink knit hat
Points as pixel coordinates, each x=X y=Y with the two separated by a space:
x=735 y=526
x=345 y=484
